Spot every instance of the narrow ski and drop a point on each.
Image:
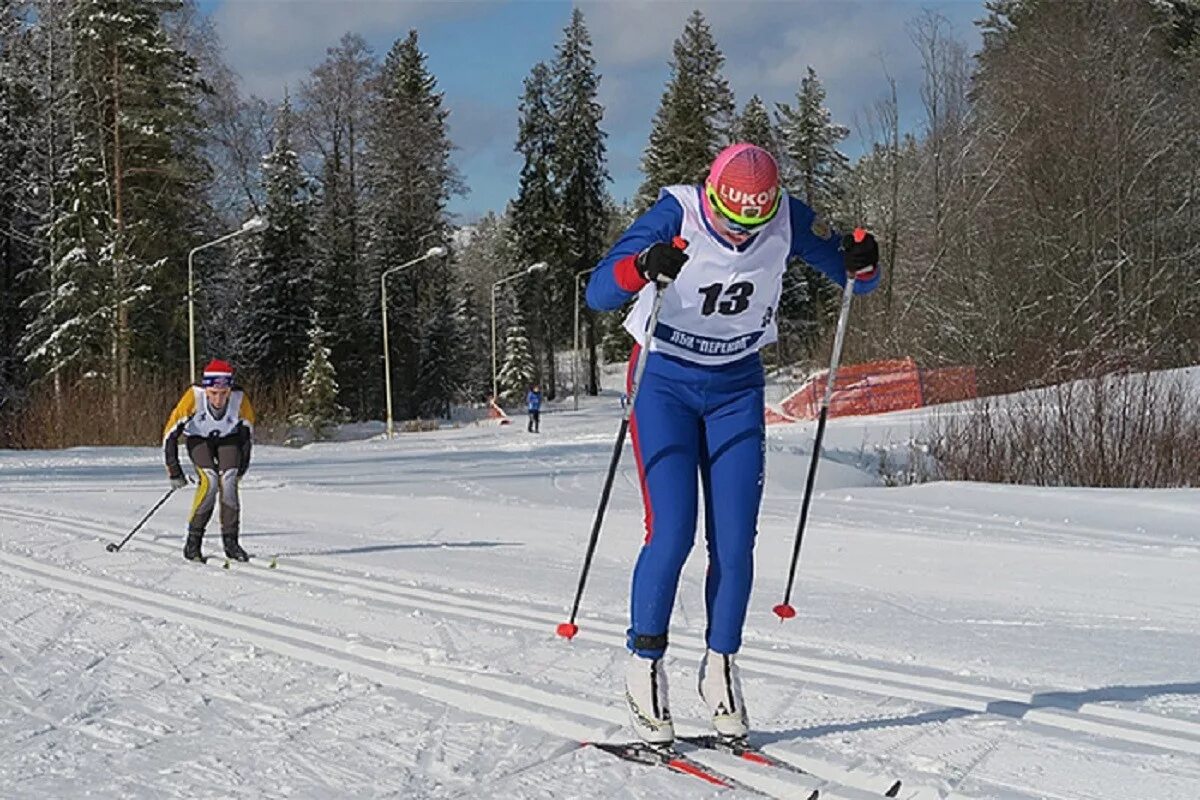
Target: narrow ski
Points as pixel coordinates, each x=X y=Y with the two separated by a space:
x=742 y=748
x=668 y=756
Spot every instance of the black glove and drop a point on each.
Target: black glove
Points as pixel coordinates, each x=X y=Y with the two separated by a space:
x=860 y=258
x=660 y=262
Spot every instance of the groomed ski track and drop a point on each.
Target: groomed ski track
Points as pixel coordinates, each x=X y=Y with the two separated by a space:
x=593 y=713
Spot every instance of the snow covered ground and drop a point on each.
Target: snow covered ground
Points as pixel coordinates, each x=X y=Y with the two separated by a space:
x=971 y=640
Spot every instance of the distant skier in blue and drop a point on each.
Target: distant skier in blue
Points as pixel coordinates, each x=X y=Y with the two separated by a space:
x=700 y=407
x=534 y=402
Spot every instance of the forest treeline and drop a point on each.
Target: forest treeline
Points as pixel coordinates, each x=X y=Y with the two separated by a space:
x=1039 y=224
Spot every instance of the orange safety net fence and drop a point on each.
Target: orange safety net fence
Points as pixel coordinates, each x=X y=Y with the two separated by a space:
x=878 y=387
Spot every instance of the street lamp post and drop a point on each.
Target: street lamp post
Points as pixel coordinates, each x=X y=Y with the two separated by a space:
x=249 y=226
x=540 y=266
x=575 y=350
x=432 y=252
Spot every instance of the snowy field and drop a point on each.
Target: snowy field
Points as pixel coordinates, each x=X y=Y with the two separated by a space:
x=970 y=640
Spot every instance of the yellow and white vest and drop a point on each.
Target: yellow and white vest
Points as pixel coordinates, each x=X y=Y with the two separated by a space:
x=196 y=418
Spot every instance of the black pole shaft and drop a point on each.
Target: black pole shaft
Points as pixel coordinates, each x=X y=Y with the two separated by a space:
x=599 y=520
x=808 y=491
x=830 y=383
x=640 y=367
x=138 y=527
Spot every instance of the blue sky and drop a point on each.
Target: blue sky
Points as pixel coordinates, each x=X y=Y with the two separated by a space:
x=481 y=50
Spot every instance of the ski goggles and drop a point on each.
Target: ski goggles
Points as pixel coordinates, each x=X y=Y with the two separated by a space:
x=217 y=381
x=741 y=223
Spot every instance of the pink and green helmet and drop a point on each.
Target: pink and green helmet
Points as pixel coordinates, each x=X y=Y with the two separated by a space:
x=743 y=187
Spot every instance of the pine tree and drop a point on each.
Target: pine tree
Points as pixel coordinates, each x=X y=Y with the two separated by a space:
x=127 y=201
x=812 y=165
x=580 y=171
x=409 y=181
x=694 y=117
x=282 y=266
x=319 y=410
x=516 y=374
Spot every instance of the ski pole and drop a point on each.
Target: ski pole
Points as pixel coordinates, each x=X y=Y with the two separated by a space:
x=568 y=629
x=785 y=610
x=113 y=547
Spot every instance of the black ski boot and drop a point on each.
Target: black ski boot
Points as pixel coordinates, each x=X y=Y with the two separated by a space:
x=233 y=550
x=191 y=550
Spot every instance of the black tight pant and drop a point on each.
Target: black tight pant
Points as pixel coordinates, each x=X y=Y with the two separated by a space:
x=217 y=462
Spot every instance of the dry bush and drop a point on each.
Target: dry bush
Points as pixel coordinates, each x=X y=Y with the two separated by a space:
x=85 y=415
x=1131 y=431
x=273 y=405
x=419 y=425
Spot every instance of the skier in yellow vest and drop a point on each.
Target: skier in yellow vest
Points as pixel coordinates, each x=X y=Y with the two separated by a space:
x=217 y=423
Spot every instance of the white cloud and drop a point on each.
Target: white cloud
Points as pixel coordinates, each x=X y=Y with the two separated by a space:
x=273 y=42
x=767 y=45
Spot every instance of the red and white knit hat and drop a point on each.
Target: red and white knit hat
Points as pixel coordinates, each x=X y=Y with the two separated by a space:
x=217 y=373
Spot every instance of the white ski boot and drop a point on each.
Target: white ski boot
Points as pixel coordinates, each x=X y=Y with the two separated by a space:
x=646 y=696
x=721 y=691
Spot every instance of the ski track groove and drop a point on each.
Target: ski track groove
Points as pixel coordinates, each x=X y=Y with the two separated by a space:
x=987 y=524
x=1113 y=722
x=325 y=651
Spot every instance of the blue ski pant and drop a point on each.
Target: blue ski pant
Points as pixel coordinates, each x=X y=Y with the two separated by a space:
x=691 y=420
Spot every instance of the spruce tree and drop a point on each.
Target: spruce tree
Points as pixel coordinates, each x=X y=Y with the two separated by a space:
x=441 y=371
x=225 y=298
x=812 y=165
x=409 y=181
x=71 y=332
x=282 y=266
x=615 y=342
x=334 y=119
x=694 y=117
x=580 y=171
x=755 y=126
x=536 y=214
x=319 y=409
x=516 y=374
x=814 y=170
x=19 y=187
x=486 y=254
x=475 y=372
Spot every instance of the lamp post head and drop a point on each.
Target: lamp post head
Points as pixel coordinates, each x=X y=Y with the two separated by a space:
x=254 y=224
x=435 y=252
x=538 y=267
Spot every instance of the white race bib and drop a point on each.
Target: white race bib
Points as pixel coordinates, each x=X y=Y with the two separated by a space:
x=202 y=422
x=722 y=306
